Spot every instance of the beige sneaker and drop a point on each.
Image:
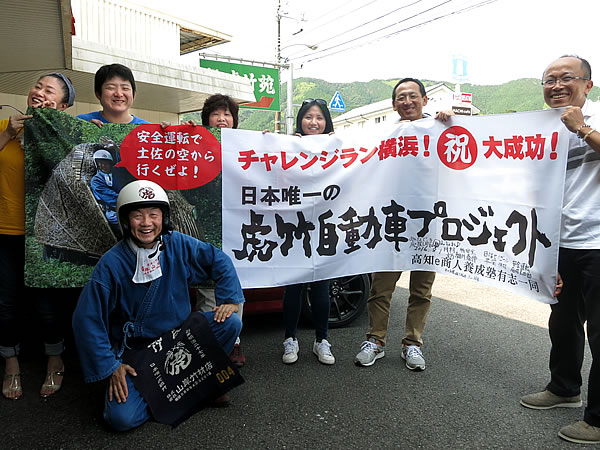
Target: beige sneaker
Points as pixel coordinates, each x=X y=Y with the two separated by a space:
x=581 y=433
x=548 y=400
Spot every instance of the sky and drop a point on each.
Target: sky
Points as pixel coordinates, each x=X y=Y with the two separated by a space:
x=501 y=40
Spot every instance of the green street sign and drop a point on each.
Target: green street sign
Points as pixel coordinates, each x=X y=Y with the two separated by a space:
x=264 y=79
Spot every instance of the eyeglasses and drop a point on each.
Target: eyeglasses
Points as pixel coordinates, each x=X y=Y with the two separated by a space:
x=319 y=101
x=551 y=82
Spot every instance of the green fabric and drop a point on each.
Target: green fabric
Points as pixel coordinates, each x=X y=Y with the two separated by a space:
x=66 y=230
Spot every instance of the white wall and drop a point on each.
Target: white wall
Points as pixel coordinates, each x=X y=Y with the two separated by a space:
x=118 y=24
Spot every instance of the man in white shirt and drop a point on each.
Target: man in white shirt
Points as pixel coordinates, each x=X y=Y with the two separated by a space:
x=566 y=82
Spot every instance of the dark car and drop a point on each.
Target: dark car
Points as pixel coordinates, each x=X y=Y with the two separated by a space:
x=348 y=299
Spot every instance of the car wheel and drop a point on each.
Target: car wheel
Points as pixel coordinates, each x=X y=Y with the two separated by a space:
x=348 y=297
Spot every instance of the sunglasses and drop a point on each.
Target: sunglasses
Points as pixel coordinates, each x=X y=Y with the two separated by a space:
x=319 y=101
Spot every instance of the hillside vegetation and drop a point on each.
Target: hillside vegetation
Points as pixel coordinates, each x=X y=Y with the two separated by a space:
x=514 y=96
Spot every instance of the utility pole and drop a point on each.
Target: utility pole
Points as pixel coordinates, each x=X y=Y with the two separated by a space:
x=289 y=111
x=278 y=59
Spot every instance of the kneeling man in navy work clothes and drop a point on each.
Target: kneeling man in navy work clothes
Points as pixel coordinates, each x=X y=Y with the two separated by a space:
x=139 y=289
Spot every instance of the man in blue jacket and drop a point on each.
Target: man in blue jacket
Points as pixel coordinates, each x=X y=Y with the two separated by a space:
x=104 y=187
x=139 y=289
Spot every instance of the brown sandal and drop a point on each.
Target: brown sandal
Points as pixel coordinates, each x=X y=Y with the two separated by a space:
x=50 y=384
x=14 y=387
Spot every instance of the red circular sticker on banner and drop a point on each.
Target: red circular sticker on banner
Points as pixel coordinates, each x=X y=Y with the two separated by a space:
x=177 y=157
x=457 y=148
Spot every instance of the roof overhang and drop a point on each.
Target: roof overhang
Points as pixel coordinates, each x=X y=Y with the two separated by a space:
x=191 y=40
x=192 y=36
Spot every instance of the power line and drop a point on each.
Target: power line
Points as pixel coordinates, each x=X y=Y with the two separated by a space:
x=460 y=11
x=311 y=30
x=376 y=31
x=336 y=9
x=378 y=18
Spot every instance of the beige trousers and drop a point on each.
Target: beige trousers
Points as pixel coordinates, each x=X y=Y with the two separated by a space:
x=419 y=301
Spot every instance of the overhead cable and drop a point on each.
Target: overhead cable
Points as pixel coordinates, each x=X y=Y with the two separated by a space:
x=307 y=57
x=376 y=31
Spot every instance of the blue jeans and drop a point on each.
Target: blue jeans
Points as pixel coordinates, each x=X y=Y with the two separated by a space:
x=320 y=304
x=134 y=412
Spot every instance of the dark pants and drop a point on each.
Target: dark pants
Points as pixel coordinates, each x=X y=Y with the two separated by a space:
x=578 y=302
x=319 y=301
x=15 y=300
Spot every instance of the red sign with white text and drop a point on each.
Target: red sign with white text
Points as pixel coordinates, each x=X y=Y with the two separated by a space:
x=464 y=97
x=177 y=157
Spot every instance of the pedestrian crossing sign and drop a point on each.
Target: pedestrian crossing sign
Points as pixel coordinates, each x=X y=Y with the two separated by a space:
x=336 y=103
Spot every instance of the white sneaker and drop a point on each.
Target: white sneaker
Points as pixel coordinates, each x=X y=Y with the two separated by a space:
x=290 y=350
x=414 y=357
x=323 y=351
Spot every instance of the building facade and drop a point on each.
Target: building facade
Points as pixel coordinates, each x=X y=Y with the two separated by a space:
x=76 y=37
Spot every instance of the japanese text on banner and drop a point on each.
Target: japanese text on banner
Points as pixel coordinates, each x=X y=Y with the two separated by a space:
x=476 y=197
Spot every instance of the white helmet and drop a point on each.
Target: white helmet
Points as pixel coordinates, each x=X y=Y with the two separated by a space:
x=102 y=154
x=142 y=194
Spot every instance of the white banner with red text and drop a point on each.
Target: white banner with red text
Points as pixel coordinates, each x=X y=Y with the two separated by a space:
x=477 y=197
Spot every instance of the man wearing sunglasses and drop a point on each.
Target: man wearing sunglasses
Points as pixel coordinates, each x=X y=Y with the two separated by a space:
x=566 y=84
x=408 y=99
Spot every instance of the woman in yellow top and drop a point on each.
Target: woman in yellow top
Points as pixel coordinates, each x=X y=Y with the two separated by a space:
x=53 y=90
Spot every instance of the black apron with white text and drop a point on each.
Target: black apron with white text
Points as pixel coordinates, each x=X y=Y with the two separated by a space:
x=182 y=370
